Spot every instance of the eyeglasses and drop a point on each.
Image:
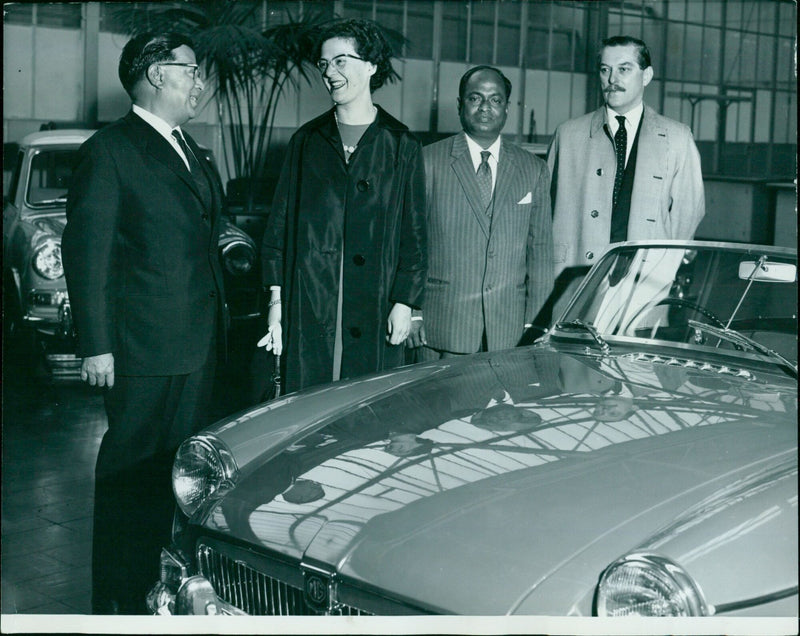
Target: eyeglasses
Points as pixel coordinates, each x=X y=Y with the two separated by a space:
x=339 y=62
x=196 y=72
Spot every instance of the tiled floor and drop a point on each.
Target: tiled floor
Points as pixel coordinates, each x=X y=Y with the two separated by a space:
x=51 y=433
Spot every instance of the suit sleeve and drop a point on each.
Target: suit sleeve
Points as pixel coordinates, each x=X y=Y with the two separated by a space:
x=409 y=283
x=539 y=247
x=88 y=246
x=273 y=242
x=687 y=196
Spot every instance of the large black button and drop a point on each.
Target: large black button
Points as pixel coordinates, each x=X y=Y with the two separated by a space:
x=355 y=332
x=204 y=216
x=212 y=294
x=362 y=185
x=359 y=260
x=594 y=214
x=589 y=255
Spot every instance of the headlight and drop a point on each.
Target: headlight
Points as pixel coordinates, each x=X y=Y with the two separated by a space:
x=238 y=257
x=203 y=466
x=648 y=585
x=47 y=259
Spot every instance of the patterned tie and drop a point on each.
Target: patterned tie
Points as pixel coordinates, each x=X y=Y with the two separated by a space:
x=621 y=143
x=195 y=168
x=484 y=175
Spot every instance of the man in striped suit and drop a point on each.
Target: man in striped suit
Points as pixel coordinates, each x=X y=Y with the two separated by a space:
x=490 y=243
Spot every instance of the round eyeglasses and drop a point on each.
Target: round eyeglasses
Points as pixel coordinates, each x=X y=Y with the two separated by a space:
x=339 y=62
x=197 y=73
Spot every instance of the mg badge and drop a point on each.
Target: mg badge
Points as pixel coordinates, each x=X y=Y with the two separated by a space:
x=317 y=591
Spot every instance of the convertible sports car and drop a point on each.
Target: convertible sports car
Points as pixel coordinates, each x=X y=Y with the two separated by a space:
x=36 y=303
x=640 y=459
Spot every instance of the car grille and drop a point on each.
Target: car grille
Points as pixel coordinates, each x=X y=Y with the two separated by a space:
x=256 y=593
x=689 y=364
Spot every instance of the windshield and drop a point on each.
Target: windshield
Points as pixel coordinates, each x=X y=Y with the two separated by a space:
x=654 y=293
x=49 y=177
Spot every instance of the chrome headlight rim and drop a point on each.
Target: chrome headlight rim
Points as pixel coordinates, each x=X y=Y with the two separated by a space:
x=204 y=468
x=627 y=576
x=228 y=251
x=46 y=250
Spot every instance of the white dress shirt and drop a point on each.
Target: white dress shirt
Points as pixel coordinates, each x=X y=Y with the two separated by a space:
x=475 y=153
x=632 y=119
x=163 y=129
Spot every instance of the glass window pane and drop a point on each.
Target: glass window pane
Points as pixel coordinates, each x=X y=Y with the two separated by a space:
x=766 y=60
x=714 y=12
x=693 y=53
x=59 y=15
x=677 y=10
x=454 y=31
x=788 y=22
x=766 y=17
x=420 y=29
x=733 y=60
x=709 y=72
x=360 y=9
x=676 y=61
x=536 y=55
x=508 y=30
x=786 y=63
x=733 y=17
x=17 y=13
x=694 y=11
x=482 y=35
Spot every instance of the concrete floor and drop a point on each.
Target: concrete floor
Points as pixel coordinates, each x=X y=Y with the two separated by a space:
x=51 y=434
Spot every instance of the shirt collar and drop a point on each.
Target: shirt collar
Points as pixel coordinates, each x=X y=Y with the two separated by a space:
x=162 y=127
x=632 y=118
x=475 y=150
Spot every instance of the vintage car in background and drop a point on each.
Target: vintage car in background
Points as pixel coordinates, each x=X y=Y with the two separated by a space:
x=36 y=305
x=639 y=459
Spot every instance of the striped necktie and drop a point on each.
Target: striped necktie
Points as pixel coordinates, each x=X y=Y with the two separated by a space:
x=484 y=175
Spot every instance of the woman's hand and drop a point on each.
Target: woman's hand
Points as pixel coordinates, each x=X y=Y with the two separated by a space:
x=273 y=340
x=399 y=324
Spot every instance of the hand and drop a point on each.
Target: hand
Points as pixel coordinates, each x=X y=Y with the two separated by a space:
x=399 y=324
x=273 y=340
x=416 y=336
x=98 y=370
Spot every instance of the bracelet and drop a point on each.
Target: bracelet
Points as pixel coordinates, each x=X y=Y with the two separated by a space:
x=272 y=303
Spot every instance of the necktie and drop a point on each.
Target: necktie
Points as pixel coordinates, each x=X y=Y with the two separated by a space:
x=194 y=165
x=620 y=143
x=195 y=168
x=484 y=175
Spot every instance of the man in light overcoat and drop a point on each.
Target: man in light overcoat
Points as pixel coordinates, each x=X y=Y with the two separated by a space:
x=657 y=191
x=489 y=231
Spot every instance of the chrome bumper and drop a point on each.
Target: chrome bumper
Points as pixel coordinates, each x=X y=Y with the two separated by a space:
x=180 y=593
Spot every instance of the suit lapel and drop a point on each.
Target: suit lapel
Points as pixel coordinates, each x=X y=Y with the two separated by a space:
x=507 y=173
x=465 y=172
x=161 y=150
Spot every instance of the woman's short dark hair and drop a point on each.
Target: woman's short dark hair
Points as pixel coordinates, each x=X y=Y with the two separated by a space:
x=143 y=50
x=462 y=85
x=370 y=44
x=642 y=52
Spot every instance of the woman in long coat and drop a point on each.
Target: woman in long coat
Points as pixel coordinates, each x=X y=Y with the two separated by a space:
x=344 y=250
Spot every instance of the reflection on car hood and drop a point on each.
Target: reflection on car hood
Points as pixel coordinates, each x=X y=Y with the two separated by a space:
x=506 y=466
x=50 y=224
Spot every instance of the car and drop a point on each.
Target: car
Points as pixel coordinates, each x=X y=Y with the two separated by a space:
x=638 y=459
x=36 y=304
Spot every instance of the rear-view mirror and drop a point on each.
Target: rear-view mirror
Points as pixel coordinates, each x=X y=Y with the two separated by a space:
x=768 y=272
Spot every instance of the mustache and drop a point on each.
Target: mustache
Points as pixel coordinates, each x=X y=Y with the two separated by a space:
x=614 y=89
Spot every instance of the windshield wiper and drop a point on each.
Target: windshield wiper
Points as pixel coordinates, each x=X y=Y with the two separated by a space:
x=737 y=338
x=585 y=326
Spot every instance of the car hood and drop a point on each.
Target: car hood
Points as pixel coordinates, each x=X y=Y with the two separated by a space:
x=52 y=224
x=531 y=469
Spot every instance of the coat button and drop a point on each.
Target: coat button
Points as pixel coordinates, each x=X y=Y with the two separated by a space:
x=359 y=260
x=589 y=255
x=362 y=185
x=212 y=294
x=594 y=214
x=599 y=172
x=355 y=332
x=204 y=217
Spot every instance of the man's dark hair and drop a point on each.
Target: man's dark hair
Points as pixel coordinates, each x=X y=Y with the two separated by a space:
x=143 y=50
x=370 y=44
x=465 y=78
x=642 y=52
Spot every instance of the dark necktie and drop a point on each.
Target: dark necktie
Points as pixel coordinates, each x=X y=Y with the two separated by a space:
x=620 y=143
x=484 y=175
x=195 y=168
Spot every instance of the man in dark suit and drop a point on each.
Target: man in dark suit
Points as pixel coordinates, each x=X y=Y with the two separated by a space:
x=145 y=285
x=490 y=244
